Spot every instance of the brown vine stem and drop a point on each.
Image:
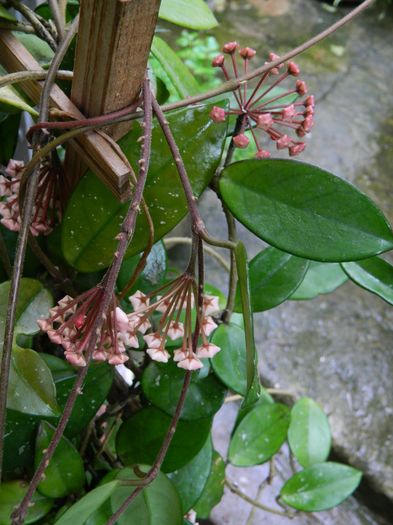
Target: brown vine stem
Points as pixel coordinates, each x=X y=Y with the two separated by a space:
x=37 y=74
x=57 y=17
x=109 y=283
x=225 y=86
x=20 y=252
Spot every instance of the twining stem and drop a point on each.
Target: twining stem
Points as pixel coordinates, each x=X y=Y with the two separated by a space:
x=17 y=26
x=109 y=283
x=35 y=74
x=57 y=18
x=233 y=488
x=28 y=204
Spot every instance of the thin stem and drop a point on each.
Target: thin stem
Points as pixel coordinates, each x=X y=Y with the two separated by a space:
x=171 y=241
x=17 y=26
x=35 y=21
x=57 y=18
x=109 y=281
x=153 y=472
x=232 y=487
x=21 y=76
x=28 y=204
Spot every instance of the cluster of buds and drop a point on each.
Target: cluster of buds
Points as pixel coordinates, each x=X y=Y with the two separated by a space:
x=72 y=321
x=47 y=208
x=264 y=109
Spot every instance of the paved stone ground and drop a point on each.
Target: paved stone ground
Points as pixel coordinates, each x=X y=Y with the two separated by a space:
x=336 y=348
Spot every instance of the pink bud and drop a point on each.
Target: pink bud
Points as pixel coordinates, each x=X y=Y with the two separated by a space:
x=296 y=149
x=293 y=69
x=264 y=121
x=300 y=132
x=288 y=112
x=262 y=154
x=283 y=142
x=218 y=61
x=241 y=141
x=79 y=321
x=247 y=52
x=230 y=47
x=217 y=114
x=310 y=101
x=273 y=57
x=308 y=124
x=301 y=87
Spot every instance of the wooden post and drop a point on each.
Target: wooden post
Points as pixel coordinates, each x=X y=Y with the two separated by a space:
x=114 y=40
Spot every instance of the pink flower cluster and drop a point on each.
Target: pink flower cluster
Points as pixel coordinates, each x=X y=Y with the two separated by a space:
x=263 y=108
x=47 y=209
x=72 y=321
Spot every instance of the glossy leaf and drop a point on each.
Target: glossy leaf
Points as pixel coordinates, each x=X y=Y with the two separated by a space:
x=12 y=493
x=178 y=73
x=374 y=274
x=140 y=438
x=274 y=276
x=31 y=389
x=10 y=99
x=65 y=473
x=33 y=303
x=309 y=433
x=89 y=231
x=158 y=504
x=230 y=364
x=191 y=479
x=259 y=435
x=95 y=389
x=5 y=14
x=320 y=487
x=320 y=278
x=214 y=488
x=162 y=384
x=304 y=210
x=37 y=47
x=194 y=14
x=81 y=511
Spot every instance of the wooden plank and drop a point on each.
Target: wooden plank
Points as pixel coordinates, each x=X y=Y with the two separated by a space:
x=114 y=41
x=94 y=148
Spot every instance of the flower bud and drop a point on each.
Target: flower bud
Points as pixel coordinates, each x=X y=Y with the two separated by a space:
x=247 y=52
x=217 y=114
x=230 y=47
x=241 y=141
x=293 y=69
x=218 y=61
x=301 y=87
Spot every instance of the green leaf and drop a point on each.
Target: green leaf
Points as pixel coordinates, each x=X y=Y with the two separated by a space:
x=309 y=433
x=140 y=438
x=9 y=129
x=79 y=513
x=274 y=276
x=19 y=441
x=65 y=473
x=31 y=389
x=33 y=303
x=191 y=479
x=304 y=210
x=95 y=389
x=230 y=364
x=162 y=384
x=5 y=14
x=194 y=14
x=320 y=278
x=214 y=488
x=178 y=73
x=157 y=504
x=259 y=435
x=11 y=99
x=12 y=493
x=320 y=487
x=374 y=274
x=37 y=47
x=89 y=231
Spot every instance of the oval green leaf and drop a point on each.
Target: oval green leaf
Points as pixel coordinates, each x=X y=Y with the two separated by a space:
x=274 y=276
x=320 y=278
x=304 y=210
x=12 y=101
x=214 y=488
x=259 y=435
x=162 y=384
x=157 y=504
x=191 y=479
x=320 y=487
x=89 y=231
x=65 y=473
x=140 y=438
x=79 y=513
x=230 y=364
x=309 y=433
x=12 y=493
x=194 y=14
x=374 y=275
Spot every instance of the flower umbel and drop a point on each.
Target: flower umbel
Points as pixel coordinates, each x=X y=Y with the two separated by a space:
x=277 y=114
x=47 y=209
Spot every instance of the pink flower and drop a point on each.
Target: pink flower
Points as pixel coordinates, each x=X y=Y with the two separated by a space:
x=210 y=304
x=208 y=326
x=207 y=350
x=158 y=354
x=139 y=300
x=191 y=362
x=241 y=141
x=175 y=330
x=218 y=114
x=154 y=340
x=179 y=355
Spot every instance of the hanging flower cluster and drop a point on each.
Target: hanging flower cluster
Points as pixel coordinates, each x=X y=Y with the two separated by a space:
x=179 y=297
x=47 y=210
x=71 y=324
x=265 y=109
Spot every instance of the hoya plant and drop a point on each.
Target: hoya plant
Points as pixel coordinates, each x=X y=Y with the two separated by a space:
x=114 y=362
